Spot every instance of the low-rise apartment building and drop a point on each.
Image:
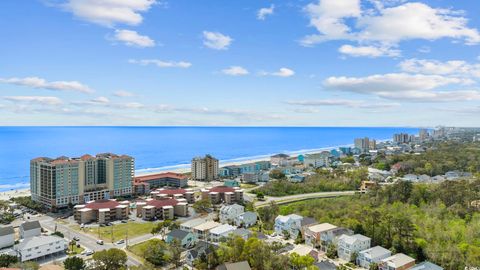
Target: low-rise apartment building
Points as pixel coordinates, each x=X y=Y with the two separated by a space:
x=101 y=211
x=40 y=246
x=228 y=195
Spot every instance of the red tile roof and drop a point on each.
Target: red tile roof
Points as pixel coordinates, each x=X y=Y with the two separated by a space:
x=172 y=191
x=159 y=176
x=162 y=203
x=102 y=204
x=222 y=189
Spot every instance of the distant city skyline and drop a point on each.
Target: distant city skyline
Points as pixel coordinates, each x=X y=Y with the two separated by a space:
x=245 y=63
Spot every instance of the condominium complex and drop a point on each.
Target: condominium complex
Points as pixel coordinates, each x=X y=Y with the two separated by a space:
x=365 y=144
x=205 y=169
x=58 y=182
x=401 y=138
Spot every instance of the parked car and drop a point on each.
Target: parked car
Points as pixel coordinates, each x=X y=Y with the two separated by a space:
x=119 y=242
x=76 y=238
x=100 y=242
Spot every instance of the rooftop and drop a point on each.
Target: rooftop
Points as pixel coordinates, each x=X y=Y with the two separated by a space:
x=398 y=260
x=376 y=251
x=222 y=189
x=6 y=230
x=96 y=205
x=224 y=228
x=162 y=203
x=178 y=234
x=159 y=176
x=31 y=225
x=37 y=241
x=207 y=226
x=243 y=265
x=321 y=227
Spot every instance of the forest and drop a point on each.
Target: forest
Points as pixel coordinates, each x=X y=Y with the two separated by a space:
x=436 y=222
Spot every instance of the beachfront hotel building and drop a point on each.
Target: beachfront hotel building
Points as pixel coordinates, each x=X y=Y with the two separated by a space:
x=205 y=169
x=56 y=183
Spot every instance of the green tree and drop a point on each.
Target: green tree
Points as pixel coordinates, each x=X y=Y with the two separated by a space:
x=300 y=262
x=74 y=263
x=332 y=251
x=277 y=174
x=59 y=234
x=202 y=206
x=175 y=250
x=6 y=260
x=155 y=253
x=110 y=259
x=373 y=266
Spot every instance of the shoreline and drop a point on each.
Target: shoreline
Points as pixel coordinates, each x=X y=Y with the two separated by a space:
x=185 y=168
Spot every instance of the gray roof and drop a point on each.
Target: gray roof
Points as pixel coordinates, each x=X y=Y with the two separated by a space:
x=241 y=232
x=243 y=265
x=426 y=266
x=31 y=225
x=377 y=251
x=178 y=234
x=326 y=265
x=37 y=241
x=308 y=221
x=6 y=230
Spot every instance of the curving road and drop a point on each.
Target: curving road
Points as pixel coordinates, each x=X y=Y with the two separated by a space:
x=301 y=197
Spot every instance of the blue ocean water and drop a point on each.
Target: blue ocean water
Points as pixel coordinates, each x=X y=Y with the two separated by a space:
x=157 y=148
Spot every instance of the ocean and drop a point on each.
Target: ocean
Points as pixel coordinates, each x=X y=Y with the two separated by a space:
x=161 y=148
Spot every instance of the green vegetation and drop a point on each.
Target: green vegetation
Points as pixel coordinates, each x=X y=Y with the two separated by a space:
x=28 y=202
x=110 y=259
x=323 y=180
x=435 y=222
x=74 y=263
x=119 y=231
x=162 y=227
x=247 y=186
x=157 y=253
x=258 y=254
x=74 y=250
x=7 y=260
x=59 y=234
x=437 y=160
x=202 y=206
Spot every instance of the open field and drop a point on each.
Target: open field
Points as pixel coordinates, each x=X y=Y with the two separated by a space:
x=119 y=231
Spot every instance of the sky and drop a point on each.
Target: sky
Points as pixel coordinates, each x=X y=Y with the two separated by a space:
x=240 y=63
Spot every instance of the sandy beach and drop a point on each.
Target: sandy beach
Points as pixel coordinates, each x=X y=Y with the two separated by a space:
x=7 y=195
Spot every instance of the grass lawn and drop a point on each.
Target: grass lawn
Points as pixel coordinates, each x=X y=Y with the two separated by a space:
x=119 y=231
x=247 y=185
x=139 y=249
x=75 y=251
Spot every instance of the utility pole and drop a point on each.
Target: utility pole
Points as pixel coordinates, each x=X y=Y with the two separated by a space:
x=111 y=232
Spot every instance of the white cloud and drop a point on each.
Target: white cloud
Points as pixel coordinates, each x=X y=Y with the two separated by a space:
x=328 y=17
x=36 y=82
x=123 y=93
x=216 y=40
x=403 y=86
x=386 y=25
x=38 y=100
x=368 y=51
x=109 y=12
x=453 y=67
x=282 y=72
x=235 y=71
x=264 y=12
x=343 y=102
x=132 y=38
x=161 y=63
x=101 y=100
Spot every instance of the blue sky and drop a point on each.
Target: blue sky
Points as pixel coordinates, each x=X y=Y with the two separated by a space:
x=240 y=63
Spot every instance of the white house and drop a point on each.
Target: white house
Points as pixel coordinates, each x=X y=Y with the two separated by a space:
x=40 y=246
x=222 y=231
x=350 y=244
x=188 y=225
x=30 y=229
x=246 y=219
x=7 y=237
x=398 y=261
x=291 y=224
x=228 y=213
x=372 y=255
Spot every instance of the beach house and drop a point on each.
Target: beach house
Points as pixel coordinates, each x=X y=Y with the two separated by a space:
x=290 y=225
x=372 y=255
x=398 y=261
x=347 y=245
x=185 y=238
x=7 y=236
x=228 y=213
x=246 y=219
x=30 y=229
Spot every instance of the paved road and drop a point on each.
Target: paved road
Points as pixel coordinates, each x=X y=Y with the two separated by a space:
x=86 y=240
x=301 y=197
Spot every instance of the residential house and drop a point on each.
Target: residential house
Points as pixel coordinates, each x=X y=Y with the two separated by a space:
x=290 y=224
x=30 y=229
x=228 y=213
x=36 y=247
x=188 y=225
x=7 y=236
x=246 y=219
x=185 y=238
x=241 y=232
x=201 y=248
x=326 y=265
x=307 y=222
x=201 y=231
x=323 y=235
x=347 y=245
x=278 y=159
x=296 y=178
x=372 y=255
x=243 y=265
x=426 y=266
x=221 y=232
x=398 y=261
